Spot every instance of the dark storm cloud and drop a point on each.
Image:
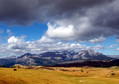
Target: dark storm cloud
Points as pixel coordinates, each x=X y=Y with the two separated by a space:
x=105 y=19
x=28 y=11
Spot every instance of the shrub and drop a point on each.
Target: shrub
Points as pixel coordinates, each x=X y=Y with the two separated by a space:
x=112 y=73
x=15 y=69
x=81 y=70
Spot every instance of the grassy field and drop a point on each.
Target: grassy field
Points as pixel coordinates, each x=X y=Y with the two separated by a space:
x=85 y=75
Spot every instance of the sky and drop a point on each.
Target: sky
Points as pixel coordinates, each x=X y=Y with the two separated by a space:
x=37 y=26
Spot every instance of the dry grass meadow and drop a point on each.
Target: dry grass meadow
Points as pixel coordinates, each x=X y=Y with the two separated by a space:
x=60 y=75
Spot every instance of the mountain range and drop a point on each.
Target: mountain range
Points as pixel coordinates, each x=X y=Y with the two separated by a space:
x=52 y=58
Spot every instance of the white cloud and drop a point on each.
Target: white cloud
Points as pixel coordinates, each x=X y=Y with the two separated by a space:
x=98 y=47
x=18 y=46
x=69 y=29
x=13 y=39
x=45 y=39
x=97 y=40
x=62 y=32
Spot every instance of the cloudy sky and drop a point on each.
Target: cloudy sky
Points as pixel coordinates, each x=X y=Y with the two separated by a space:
x=36 y=26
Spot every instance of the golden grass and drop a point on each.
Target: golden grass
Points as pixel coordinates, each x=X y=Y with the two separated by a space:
x=59 y=75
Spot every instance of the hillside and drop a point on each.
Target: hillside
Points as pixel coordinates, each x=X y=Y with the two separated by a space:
x=90 y=64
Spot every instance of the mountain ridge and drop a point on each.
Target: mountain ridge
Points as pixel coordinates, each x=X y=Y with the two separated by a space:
x=52 y=58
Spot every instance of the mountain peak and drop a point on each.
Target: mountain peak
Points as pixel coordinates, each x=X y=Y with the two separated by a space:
x=89 y=53
x=27 y=54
